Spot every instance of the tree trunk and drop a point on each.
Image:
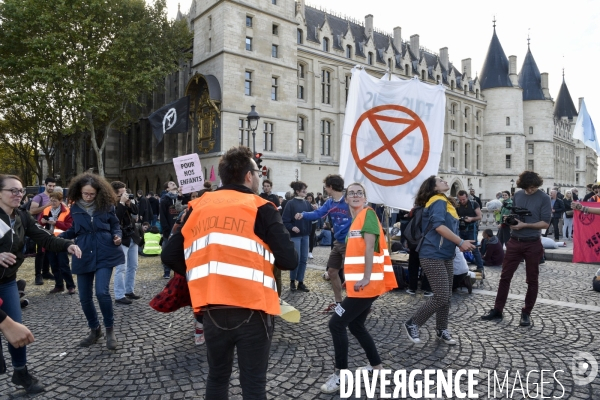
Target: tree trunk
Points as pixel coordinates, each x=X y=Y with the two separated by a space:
x=79 y=139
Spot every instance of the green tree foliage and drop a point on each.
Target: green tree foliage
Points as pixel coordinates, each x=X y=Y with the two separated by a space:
x=80 y=64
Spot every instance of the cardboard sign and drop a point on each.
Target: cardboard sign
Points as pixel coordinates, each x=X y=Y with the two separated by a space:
x=189 y=173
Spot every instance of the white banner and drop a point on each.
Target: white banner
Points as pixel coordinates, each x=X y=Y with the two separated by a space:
x=189 y=173
x=393 y=136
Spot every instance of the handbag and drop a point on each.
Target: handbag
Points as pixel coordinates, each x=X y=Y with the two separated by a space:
x=174 y=296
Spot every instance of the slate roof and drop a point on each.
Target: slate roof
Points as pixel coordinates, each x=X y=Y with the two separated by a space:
x=530 y=79
x=495 y=67
x=564 y=106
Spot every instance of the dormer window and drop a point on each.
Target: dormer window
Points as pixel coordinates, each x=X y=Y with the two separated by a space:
x=326 y=44
x=348 y=51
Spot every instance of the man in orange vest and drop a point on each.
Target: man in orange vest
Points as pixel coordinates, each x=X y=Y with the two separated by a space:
x=229 y=243
x=57 y=218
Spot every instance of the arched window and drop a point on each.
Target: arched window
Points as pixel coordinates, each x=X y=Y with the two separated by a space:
x=325 y=87
x=326 y=44
x=348 y=51
x=325 y=138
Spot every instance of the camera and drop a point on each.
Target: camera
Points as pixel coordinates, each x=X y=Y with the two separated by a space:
x=516 y=213
x=462 y=223
x=131 y=196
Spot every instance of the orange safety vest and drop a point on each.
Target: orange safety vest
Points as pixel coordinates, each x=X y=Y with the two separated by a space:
x=61 y=217
x=382 y=273
x=226 y=262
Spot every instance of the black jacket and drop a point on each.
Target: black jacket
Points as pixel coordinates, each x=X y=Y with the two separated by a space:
x=272 y=197
x=144 y=209
x=559 y=208
x=124 y=213
x=154 y=205
x=14 y=240
x=268 y=227
x=168 y=214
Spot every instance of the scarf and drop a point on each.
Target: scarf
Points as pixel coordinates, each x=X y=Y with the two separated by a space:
x=88 y=206
x=449 y=207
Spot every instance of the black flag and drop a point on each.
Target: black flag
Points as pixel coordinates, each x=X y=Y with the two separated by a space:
x=172 y=118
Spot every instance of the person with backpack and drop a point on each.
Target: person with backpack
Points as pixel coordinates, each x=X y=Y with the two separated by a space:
x=439 y=227
x=409 y=231
x=14 y=225
x=469 y=213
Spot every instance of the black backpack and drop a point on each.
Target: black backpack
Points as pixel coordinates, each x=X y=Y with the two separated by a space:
x=413 y=233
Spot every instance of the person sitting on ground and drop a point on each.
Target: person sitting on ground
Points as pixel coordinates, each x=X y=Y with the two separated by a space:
x=494 y=252
x=324 y=237
x=152 y=239
x=461 y=276
x=551 y=244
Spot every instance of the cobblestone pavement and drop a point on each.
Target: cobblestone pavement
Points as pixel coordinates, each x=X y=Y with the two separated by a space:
x=157 y=358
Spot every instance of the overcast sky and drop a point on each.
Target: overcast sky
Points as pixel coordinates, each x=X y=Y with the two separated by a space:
x=563 y=34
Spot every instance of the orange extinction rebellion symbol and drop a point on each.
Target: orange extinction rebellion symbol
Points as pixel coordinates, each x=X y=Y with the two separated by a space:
x=367 y=167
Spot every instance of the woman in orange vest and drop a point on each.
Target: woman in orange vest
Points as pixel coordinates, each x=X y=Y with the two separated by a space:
x=369 y=274
x=57 y=218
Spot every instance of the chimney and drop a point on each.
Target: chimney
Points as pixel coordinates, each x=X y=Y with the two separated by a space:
x=512 y=70
x=369 y=25
x=444 y=57
x=466 y=67
x=398 y=39
x=580 y=101
x=414 y=46
x=545 y=88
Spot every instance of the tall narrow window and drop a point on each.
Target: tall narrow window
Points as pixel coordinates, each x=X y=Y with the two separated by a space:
x=300 y=123
x=453 y=162
x=268 y=136
x=467 y=151
x=477 y=159
x=477 y=130
x=529 y=148
x=370 y=58
x=466 y=130
x=465 y=90
x=507 y=121
x=325 y=87
x=406 y=69
x=422 y=74
x=531 y=130
x=209 y=45
x=325 y=44
x=577 y=162
x=325 y=138
x=300 y=71
x=274 y=51
x=244 y=133
x=275 y=29
x=577 y=178
x=300 y=145
x=249 y=43
x=452 y=124
x=248 y=21
x=530 y=165
x=299 y=36
x=390 y=64
x=508 y=142
x=348 y=51
x=347 y=86
x=248 y=84
x=273 y=88
x=301 y=92
x=209 y=22
x=508 y=161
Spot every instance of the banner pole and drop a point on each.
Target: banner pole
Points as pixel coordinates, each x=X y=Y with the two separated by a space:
x=386 y=216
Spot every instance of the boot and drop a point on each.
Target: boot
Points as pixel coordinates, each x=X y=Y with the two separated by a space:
x=22 y=377
x=111 y=340
x=92 y=338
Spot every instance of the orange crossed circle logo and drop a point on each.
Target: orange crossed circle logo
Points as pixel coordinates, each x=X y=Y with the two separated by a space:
x=365 y=163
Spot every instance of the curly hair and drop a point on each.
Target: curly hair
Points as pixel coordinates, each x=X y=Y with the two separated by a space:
x=427 y=191
x=529 y=179
x=298 y=186
x=235 y=164
x=336 y=182
x=105 y=195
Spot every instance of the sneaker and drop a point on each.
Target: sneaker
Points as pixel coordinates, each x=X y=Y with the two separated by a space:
x=39 y=280
x=24 y=303
x=123 y=300
x=310 y=256
x=56 y=290
x=368 y=368
x=332 y=385
x=167 y=276
x=132 y=296
x=411 y=292
x=444 y=336
x=198 y=333
x=493 y=314
x=412 y=330
x=302 y=287
x=47 y=275
x=21 y=287
x=23 y=378
x=293 y=286
x=427 y=294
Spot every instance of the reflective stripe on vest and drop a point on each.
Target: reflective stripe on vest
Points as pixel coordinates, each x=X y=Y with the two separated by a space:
x=234 y=271
x=227 y=239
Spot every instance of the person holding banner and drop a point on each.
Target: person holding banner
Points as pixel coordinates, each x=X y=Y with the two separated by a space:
x=369 y=274
x=436 y=254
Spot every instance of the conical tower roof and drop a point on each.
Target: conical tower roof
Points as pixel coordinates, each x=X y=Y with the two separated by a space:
x=495 y=67
x=530 y=79
x=564 y=106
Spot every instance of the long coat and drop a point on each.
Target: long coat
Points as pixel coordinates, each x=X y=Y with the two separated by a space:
x=94 y=236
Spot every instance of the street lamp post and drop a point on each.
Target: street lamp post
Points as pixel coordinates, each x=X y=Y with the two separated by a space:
x=253 y=118
x=512 y=186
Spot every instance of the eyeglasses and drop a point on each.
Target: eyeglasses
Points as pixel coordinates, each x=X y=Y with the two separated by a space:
x=84 y=194
x=15 y=191
x=355 y=194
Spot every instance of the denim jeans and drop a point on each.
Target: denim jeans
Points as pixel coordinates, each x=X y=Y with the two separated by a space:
x=125 y=273
x=12 y=307
x=472 y=235
x=301 y=246
x=59 y=262
x=86 y=283
x=249 y=331
x=356 y=312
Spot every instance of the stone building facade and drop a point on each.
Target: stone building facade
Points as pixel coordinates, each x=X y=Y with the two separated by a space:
x=293 y=62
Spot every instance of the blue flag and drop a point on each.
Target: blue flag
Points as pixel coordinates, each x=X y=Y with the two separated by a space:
x=584 y=130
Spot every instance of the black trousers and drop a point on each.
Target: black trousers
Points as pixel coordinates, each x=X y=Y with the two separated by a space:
x=554 y=223
x=413 y=273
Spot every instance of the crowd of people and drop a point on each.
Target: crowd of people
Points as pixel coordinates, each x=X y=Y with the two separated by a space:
x=233 y=267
